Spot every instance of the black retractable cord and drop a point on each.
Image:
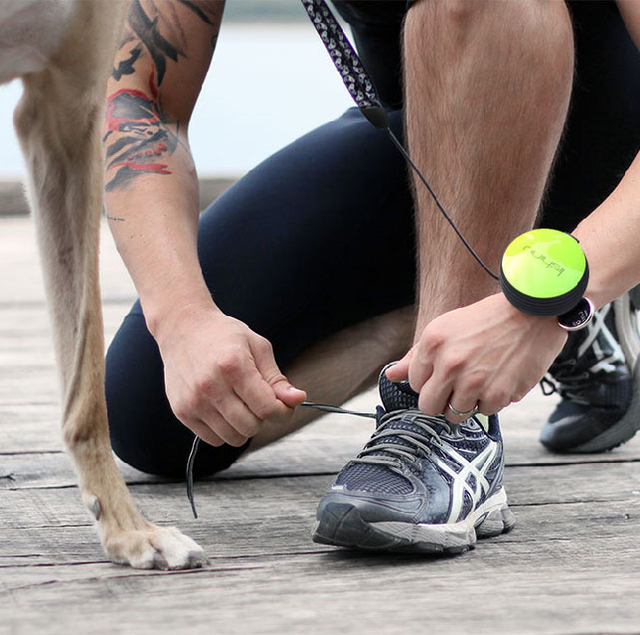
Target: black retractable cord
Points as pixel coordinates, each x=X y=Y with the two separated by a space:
x=543 y=272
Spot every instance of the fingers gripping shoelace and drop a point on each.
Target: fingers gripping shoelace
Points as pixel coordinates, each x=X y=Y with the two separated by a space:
x=414 y=443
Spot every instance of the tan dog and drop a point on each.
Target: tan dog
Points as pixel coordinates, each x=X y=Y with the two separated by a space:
x=63 y=51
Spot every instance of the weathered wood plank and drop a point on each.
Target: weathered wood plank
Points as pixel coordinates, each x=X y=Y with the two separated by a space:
x=27 y=365
x=353 y=599
x=334 y=596
x=543 y=578
x=26 y=327
x=233 y=501
x=28 y=385
x=291 y=457
x=270 y=518
x=30 y=427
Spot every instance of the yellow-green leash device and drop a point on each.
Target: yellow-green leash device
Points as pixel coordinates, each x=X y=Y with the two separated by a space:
x=545 y=272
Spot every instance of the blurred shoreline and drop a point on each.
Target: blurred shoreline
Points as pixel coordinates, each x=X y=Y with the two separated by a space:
x=263 y=11
x=13 y=201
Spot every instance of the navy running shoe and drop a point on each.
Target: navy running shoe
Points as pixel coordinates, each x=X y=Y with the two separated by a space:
x=419 y=485
x=597 y=378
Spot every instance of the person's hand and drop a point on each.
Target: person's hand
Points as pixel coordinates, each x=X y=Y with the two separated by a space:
x=221 y=378
x=487 y=354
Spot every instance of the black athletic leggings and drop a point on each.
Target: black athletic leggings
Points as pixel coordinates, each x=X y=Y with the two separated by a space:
x=320 y=237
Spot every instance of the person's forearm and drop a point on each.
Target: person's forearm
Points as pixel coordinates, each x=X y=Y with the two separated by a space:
x=154 y=223
x=610 y=237
x=151 y=189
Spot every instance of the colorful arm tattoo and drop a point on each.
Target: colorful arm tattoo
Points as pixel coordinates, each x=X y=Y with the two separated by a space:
x=138 y=135
x=143 y=137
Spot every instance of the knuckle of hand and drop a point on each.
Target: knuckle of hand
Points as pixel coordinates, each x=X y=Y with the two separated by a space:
x=474 y=384
x=230 y=362
x=264 y=410
x=205 y=385
x=181 y=411
x=430 y=342
x=264 y=345
x=498 y=398
x=214 y=440
x=426 y=407
x=192 y=403
x=453 y=361
x=438 y=329
x=250 y=430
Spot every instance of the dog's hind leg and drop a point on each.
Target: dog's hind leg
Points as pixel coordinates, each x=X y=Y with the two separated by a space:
x=58 y=123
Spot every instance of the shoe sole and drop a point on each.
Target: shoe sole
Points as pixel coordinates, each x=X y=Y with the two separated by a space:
x=622 y=431
x=341 y=524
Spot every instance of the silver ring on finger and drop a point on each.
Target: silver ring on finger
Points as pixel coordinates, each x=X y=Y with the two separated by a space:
x=467 y=414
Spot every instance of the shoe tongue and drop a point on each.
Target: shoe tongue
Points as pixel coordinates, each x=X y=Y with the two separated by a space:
x=396 y=396
x=400 y=396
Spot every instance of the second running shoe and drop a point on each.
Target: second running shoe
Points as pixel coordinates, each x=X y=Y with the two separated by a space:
x=598 y=379
x=420 y=484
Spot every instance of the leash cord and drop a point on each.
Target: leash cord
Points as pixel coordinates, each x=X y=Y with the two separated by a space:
x=307 y=404
x=362 y=90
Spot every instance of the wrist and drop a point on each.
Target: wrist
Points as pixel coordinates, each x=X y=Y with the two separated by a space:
x=166 y=318
x=526 y=320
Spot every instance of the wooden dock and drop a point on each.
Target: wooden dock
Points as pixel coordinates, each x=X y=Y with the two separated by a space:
x=571 y=566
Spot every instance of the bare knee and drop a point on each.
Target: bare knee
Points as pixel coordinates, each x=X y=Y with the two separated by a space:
x=535 y=33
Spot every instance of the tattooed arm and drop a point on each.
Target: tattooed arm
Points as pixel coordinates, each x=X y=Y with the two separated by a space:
x=151 y=185
x=151 y=198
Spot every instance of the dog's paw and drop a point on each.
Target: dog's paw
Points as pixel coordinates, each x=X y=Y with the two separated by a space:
x=163 y=548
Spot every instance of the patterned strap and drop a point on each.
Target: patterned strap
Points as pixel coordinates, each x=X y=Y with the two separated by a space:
x=355 y=77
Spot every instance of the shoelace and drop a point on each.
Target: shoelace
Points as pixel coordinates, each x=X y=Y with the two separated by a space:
x=569 y=377
x=307 y=404
x=415 y=444
x=566 y=381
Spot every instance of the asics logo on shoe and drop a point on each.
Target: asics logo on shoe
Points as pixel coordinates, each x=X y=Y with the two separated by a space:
x=470 y=476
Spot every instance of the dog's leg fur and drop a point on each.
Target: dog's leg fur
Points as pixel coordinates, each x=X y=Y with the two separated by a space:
x=58 y=122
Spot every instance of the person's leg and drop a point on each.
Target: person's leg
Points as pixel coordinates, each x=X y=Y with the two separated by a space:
x=487 y=87
x=342 y=365
x=315 y=241
x=487 y=90
x=600 y=392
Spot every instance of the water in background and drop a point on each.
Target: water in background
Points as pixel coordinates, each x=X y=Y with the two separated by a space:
x=268 y=84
